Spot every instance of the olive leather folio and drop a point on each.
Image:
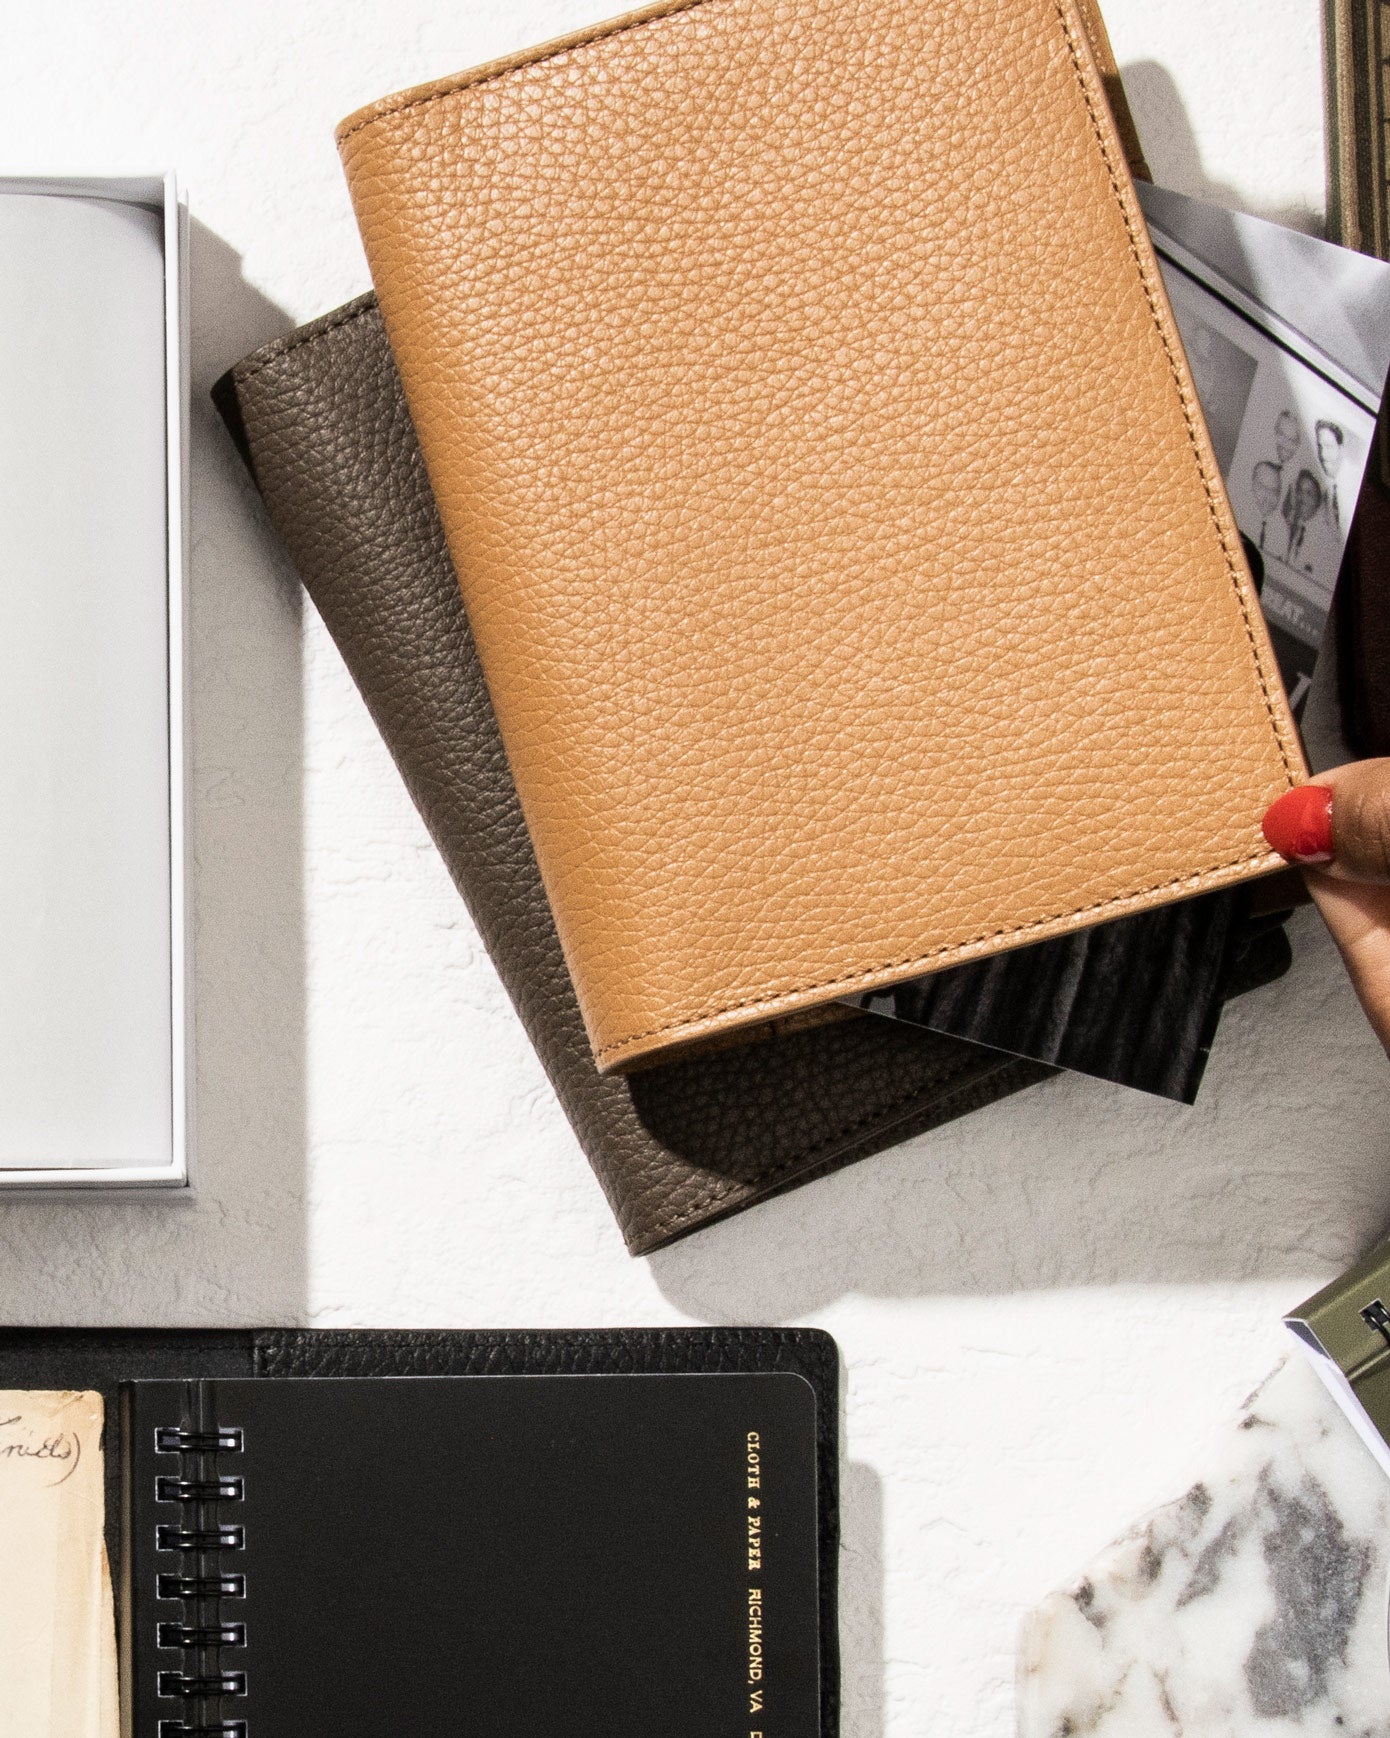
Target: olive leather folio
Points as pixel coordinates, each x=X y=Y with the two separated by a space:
x=320 y=418
x=844 y=548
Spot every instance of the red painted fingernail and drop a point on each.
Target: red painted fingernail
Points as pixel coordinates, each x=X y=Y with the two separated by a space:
x=1299 y=825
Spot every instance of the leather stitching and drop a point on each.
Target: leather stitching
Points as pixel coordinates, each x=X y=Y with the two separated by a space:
x=1184 y=399
x=475 y=80
x=956 y=950
x=310 y=335
x=1197 y=882
x=808 y=1155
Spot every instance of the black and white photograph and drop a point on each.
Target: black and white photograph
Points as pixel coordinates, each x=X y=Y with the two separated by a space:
x=1290 y=426
x=1292 y=447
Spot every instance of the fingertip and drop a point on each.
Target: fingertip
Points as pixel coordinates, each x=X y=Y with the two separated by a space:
x=1299 y=825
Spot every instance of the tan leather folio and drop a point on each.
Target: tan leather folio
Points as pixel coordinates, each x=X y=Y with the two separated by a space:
x=844 y=547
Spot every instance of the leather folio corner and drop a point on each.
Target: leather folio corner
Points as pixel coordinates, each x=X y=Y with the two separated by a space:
x=844 y=546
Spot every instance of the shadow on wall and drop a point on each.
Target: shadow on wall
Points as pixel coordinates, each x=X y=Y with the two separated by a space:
x=1280 y=1171
x=236 y=1250
x=1175 y=157
x=862 y=1641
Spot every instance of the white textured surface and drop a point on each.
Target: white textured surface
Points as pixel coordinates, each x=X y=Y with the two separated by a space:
x=1042 y=1310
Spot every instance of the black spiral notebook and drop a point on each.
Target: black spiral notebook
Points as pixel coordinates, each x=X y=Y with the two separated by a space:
x=452 y=1534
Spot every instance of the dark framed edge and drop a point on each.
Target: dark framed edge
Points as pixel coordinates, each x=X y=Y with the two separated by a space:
x=1356 y=36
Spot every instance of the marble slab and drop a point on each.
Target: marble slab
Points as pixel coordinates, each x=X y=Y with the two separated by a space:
x=1254 y=1604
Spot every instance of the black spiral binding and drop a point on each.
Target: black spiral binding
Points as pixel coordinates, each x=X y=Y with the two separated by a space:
x=203 y=1687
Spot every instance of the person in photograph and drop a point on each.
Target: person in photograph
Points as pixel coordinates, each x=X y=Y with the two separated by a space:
x=1330 y=442
x=1287 y=435
x=1264 y=486
x=1302 y=504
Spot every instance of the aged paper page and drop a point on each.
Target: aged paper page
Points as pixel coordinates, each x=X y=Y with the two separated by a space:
x=57 y=1631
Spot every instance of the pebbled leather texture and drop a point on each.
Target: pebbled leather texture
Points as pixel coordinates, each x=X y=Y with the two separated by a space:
x=844 y=547
x=1089 y=14
x=104 y=1358
x=322 y=420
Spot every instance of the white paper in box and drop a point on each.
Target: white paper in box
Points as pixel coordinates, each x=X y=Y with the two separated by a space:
x=94 y=993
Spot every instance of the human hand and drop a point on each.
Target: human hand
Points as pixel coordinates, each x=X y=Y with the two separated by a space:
x=1337 y=829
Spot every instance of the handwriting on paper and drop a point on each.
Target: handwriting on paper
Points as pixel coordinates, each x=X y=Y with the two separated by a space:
x=28 y=1439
